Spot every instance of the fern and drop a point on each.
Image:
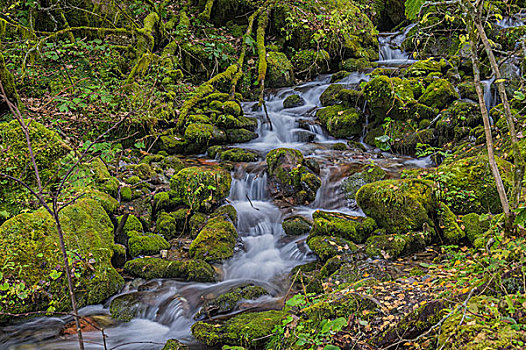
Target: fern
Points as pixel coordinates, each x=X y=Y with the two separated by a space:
x=412 y=8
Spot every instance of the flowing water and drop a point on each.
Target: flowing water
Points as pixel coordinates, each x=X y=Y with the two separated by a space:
x=390 y=48
x=167 y=308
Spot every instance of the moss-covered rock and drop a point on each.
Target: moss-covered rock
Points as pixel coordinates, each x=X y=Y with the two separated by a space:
x=146 y=244
x=240 y=135
x=398 y=206
x=309 y=63
x=353 y=228
x=227 y=302
x=357 y=64
x=293 y=101
x=174 y=344
x=126 y=307
x=216 y=241
x=341 y=121
x=279 y=70
x=247 y=329
x=439 y=94
x=388 y=97
x=297 y=225
x=289 y=178
x=467 y=185
x=102 y=178
x=188 y=270
x=31 y=240
x=326 y=247
x=423 y=68
x=227 y=210
x=448 y=223
x=474 y=226
x=329 y=96
x=201 y=188
x=393 y=246
x=238 y=155
x=369 y=173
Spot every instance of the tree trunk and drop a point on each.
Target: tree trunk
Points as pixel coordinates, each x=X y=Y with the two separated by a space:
x=487 y=130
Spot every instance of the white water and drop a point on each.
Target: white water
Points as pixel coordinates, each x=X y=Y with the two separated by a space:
x=390 y=51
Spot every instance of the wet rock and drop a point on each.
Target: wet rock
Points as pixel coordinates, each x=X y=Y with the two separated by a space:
x=297 y=225
x=188 y=270
x=216 y=241
x=289 y=179
x=174 y=344
x=369 y=173
x=293 y=101
x=240 y=135
x=341 y=121
x=388 y=246
x=398 y=205
x=227 y=210
x=245 y=329
x=126 y=307
x=228 y=302
x=238 y=155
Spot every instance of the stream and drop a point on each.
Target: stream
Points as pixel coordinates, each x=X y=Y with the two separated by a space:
x=267 y=256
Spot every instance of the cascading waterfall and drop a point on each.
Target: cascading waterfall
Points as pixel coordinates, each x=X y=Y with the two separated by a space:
x=168 y=308
x=390 y=52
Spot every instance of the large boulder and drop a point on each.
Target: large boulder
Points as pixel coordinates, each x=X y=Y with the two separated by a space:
x=29 y=242
x=289 y=179
x=48 y=149
x=439 y=94
x=398 y=206
x=200 y=188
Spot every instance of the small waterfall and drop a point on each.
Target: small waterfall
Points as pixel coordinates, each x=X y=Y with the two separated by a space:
x=510 y=22
x=390 y=52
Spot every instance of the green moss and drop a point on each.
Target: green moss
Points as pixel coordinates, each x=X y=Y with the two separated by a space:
x=448 y=223
x=126 y=307
x=353 y=228
x=289 y=178
x=162 y=201
x=309 y=63
x=132 y=224
x=172 y=225
x=393 y=246
x=330 y=96
x=240 y=135
x=201 y=188
x=248 y=329
x=188 y=270
x=202 y=135
x=174 y=344
x=388 y=97
x=296 y=225
x=474 y=226
x=227 y=210
x=146 y=244
x=439 y=94
x=326 y=247
x=357 y=64
x=467 y=184
x=126 y=193
x=293 y=101
x=341 y=121
x=133 y=180
x=216 y=241
x=425 y=67
x=227 y=302
x=369 y=173
x=398 y=206
x=279 y=70
x=238 y=155
x=87 y=230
